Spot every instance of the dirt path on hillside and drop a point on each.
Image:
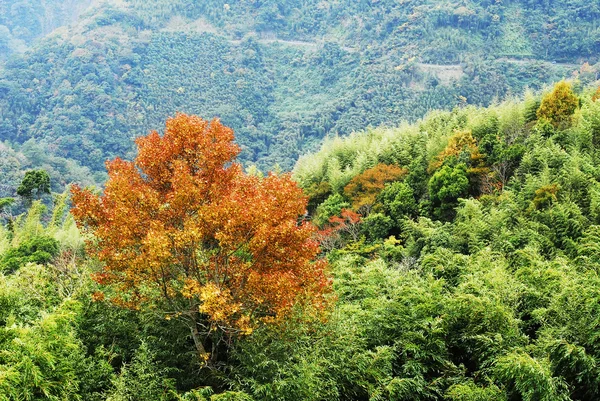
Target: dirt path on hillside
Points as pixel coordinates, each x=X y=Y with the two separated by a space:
x=295 y=43
x=531 y=61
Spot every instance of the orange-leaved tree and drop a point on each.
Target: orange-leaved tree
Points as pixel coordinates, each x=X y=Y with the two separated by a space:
x=184 y=231
x=363 y=189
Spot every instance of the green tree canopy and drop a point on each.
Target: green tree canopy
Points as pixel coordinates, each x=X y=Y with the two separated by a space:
x=34 y=184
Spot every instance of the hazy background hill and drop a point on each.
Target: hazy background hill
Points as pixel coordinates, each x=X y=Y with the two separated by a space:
x=24 y=21
x=283 y=74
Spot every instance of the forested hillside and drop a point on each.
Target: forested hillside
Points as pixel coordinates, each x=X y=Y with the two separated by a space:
x=436 y=236
x=24 y=21
x=458 y=261
x=284 y=75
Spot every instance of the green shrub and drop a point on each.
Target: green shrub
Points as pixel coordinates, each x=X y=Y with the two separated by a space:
x=40 y=249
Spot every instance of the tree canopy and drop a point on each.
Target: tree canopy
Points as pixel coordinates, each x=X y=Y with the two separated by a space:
x=184 y=229
x=35 y=183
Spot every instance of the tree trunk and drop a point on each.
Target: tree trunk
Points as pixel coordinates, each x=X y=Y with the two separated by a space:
x=204 y=356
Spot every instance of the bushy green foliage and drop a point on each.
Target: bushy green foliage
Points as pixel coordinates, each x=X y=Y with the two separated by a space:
x=42 y=359
x=377 y=225
x=39 y=250
x=317 y=194
x=16 y=159
x=545 y=196
x=5 y=202
x=446 y=186
x=398 y=200
x=507 y=283
x=35 y=183
x=142 y=380
x=469 y=391
x=530 y=378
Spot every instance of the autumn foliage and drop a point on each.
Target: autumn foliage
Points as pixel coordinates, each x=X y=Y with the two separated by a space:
x=462 y=146
x=347 y=224
x=596 y=95
x=559 y=105
x=364 y=188
x=184 y=230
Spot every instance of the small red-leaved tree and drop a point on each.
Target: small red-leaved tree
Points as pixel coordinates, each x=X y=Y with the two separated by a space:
x=332 y=235
x=183 y=230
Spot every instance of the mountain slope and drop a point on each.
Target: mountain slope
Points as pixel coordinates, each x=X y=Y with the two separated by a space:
x=282 y=74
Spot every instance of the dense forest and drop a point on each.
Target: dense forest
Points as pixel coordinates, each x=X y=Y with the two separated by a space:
x=283 y=74
x=248 y=200
x=459 y=261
